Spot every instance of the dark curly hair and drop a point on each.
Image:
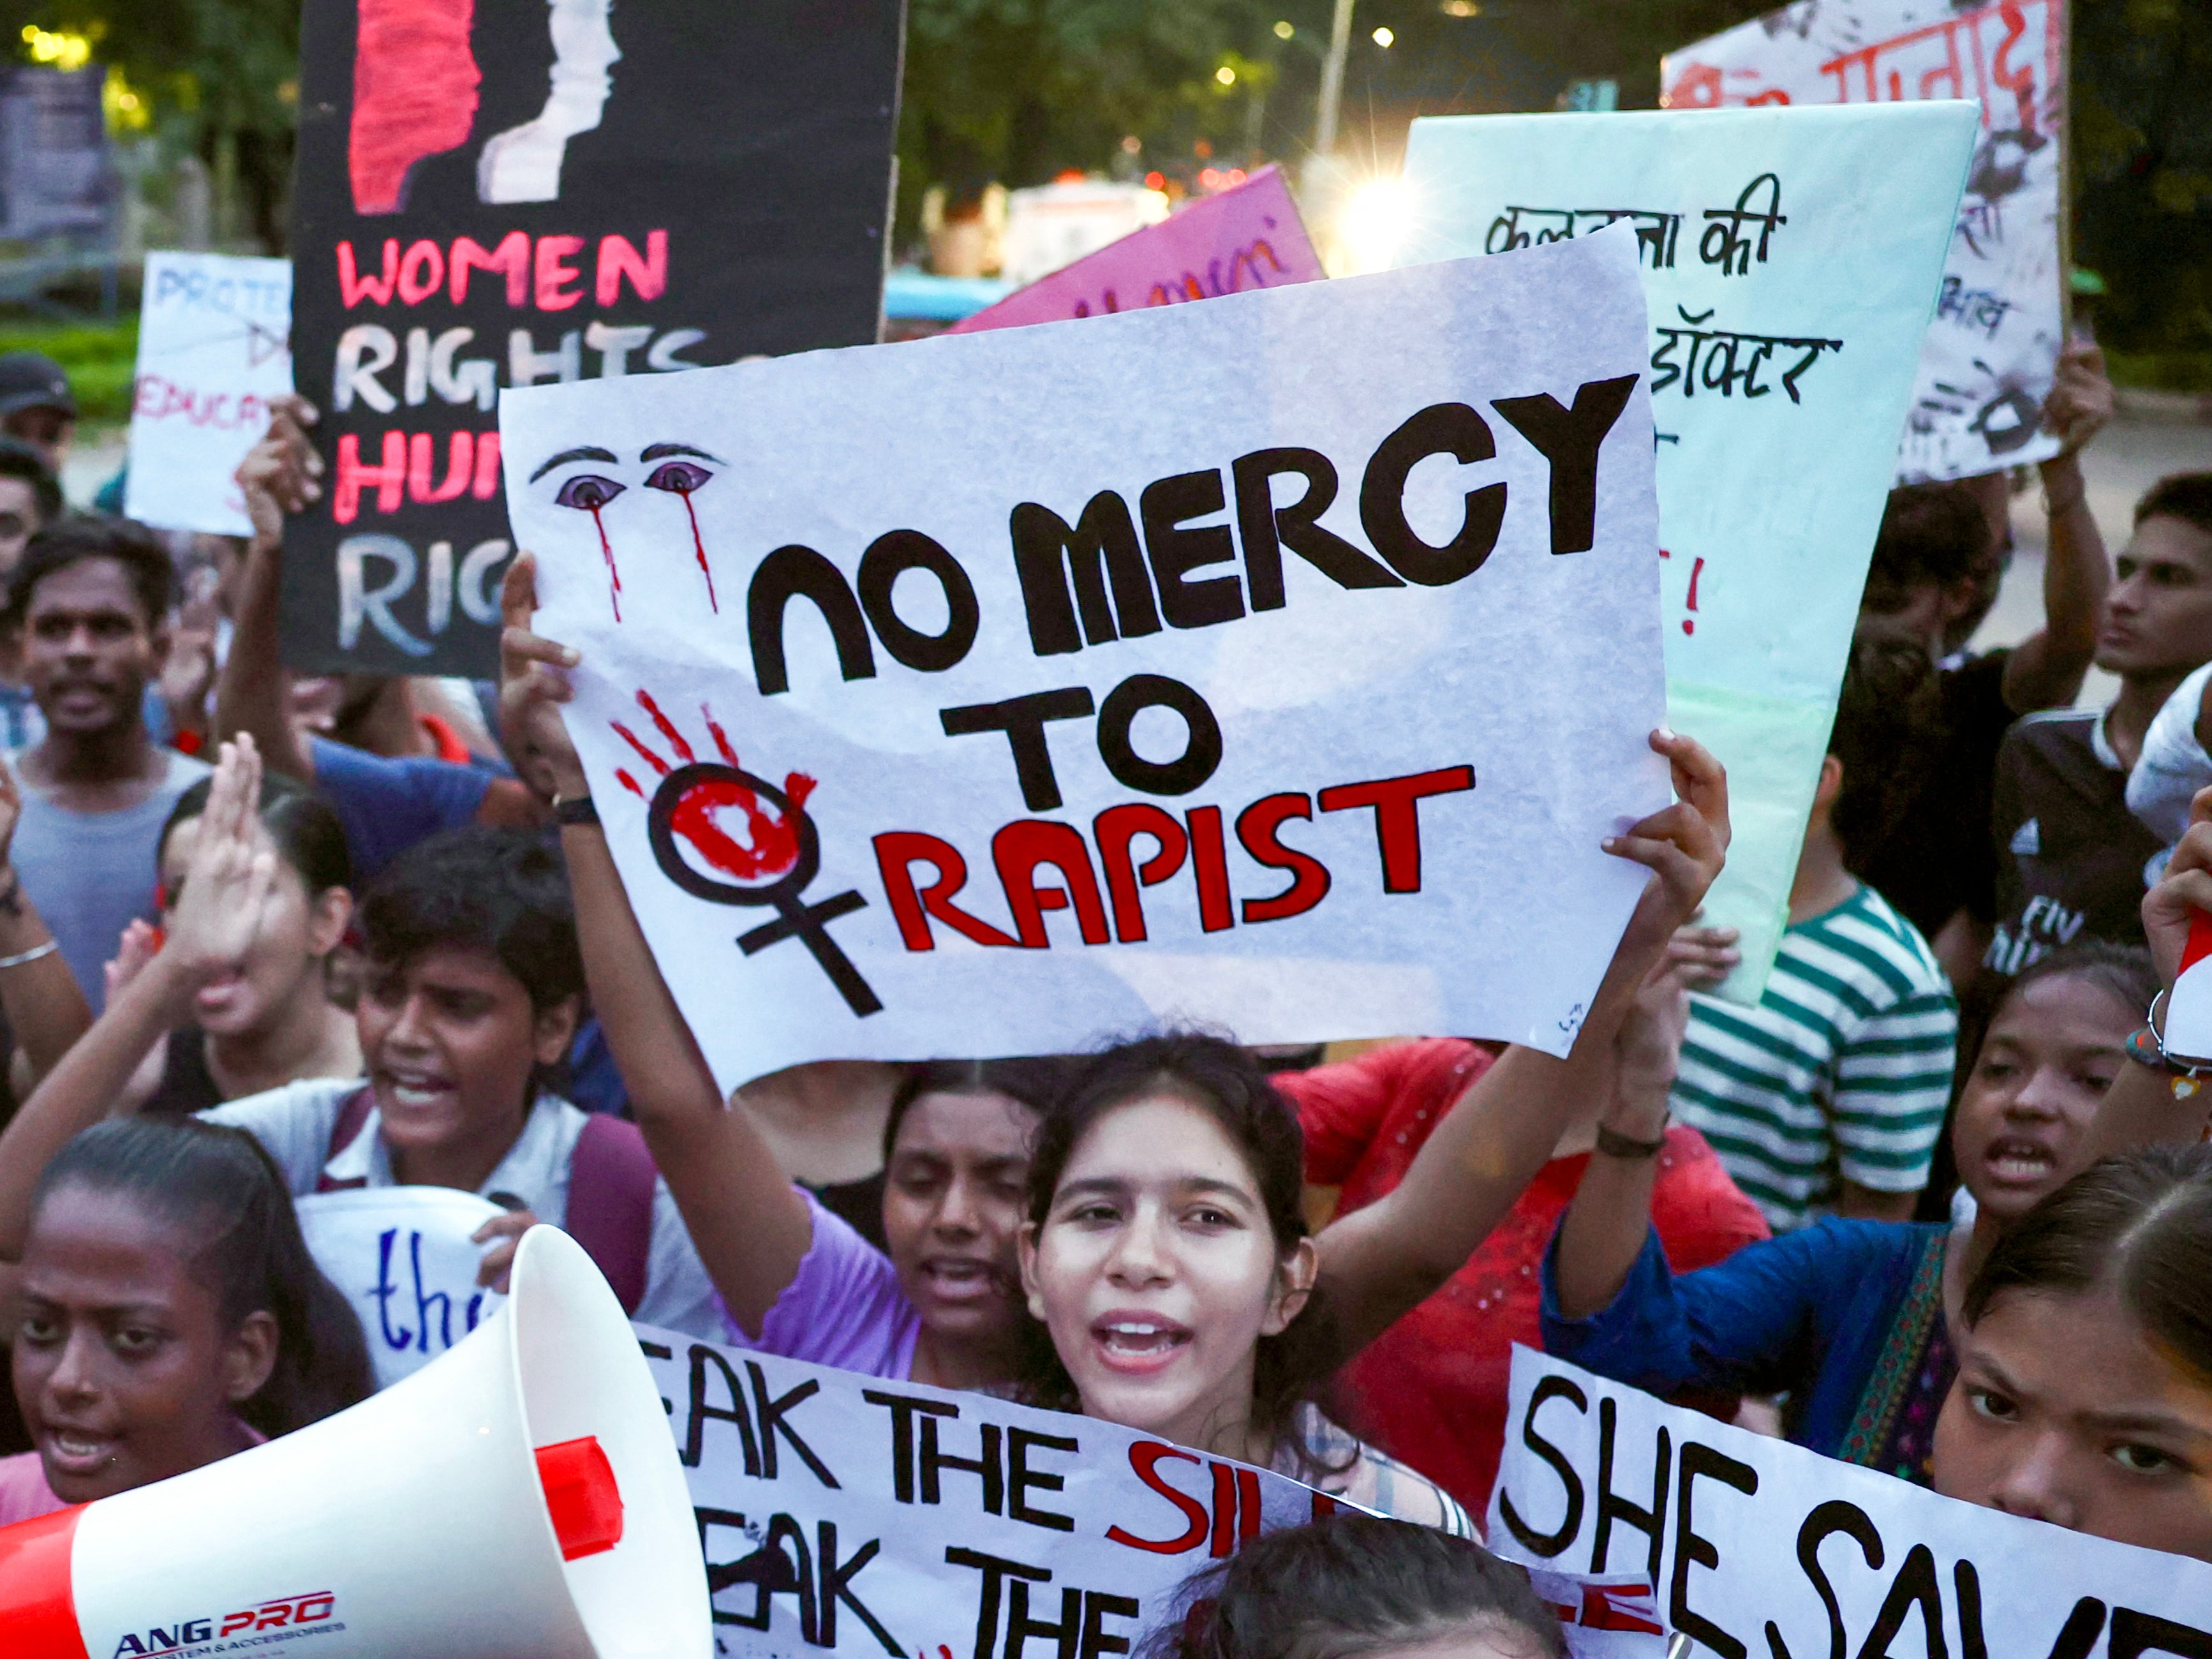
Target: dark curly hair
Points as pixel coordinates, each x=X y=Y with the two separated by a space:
x=1224 y=1081
x=1888 y=728
x=1931 y=533
x=1350 y=1585
x=500 y=891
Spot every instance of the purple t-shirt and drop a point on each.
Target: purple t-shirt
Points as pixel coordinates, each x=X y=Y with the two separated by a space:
x=24 y=1493
x=843 y=1307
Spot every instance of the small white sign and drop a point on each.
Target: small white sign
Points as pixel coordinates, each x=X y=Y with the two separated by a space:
x=215 y=346
x=402 y=1257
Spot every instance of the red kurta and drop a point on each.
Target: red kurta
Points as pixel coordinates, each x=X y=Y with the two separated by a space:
x=1431 y=1390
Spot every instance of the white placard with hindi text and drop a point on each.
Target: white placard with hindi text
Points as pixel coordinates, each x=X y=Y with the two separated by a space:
x=215 y=346
x=852 y=1515
x=402 y=1257
x=1987 y=360
x=1278 y=663
x=1763 y=1547
x=1791 y=259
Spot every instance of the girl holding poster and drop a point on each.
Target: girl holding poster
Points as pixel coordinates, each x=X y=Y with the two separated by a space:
x=171 y=1315
x=267 y=1020
x=1165 y=1254
x=1853 y=1319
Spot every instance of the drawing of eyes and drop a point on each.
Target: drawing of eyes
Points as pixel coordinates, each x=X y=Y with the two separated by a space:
x=679 y=477
x=587 y=492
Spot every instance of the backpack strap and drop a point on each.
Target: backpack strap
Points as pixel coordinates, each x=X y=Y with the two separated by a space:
x=352 y=1118
x=610 y=1188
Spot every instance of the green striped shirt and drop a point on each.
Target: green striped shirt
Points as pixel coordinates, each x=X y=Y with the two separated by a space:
x=1842 y=1073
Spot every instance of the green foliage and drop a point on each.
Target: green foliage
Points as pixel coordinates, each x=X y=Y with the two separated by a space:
x=2142 y=168
x=222 y=76
x=101 y=360
x=1016 y=90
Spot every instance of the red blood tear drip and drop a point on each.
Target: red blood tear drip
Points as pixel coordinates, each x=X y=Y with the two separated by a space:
x=607 y=552
x=700 y=547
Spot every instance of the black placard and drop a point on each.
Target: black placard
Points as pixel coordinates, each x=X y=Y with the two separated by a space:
x=731 y=200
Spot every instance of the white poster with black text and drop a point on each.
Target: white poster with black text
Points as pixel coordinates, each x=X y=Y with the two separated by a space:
x=849 y=1515
x=1279 y=663
x=1749 y=1545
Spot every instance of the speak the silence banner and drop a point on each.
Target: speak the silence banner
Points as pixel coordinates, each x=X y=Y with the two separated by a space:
x=1640 y=1520
x=1278 y=662
x=849 y=1515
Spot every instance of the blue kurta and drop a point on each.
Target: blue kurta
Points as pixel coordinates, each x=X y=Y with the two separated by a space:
x=1810 y=1313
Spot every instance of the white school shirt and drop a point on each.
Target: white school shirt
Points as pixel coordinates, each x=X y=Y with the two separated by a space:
x=294 y=1123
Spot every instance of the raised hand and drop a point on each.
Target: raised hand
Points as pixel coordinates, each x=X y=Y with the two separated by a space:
x=2081 y=403
x=214 y=919
x=534 y=683
x=1683 y=845
x=279 y=474
x=2185 y=886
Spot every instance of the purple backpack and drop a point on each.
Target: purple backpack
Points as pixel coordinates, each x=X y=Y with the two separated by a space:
x=611 y=1182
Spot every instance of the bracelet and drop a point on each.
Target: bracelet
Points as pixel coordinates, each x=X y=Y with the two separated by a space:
x=2148 y=1048
x=575 y=809
x=1613 y=1144
x=30 y=955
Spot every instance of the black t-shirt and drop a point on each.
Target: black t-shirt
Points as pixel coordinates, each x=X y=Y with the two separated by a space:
x=187 y=1086
x=1938 y=860
x=2070 y=856
x=861 y=1202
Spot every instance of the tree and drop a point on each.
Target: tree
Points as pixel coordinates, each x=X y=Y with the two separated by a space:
x=220 y=78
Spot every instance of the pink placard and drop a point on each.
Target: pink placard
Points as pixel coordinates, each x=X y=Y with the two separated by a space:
x=1245 y=238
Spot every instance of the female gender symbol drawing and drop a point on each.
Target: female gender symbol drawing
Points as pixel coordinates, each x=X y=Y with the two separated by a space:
x=772 y=866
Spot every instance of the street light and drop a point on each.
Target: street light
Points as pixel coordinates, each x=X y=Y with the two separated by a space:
x=1383 y=38
x=1332 y=78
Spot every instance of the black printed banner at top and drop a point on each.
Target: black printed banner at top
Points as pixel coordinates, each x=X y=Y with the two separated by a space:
x=514 y=193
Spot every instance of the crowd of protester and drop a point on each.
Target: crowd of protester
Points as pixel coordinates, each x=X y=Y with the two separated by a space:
x=1932 y=1203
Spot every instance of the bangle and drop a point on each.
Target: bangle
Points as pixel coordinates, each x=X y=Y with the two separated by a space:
x=30 y=955
x=1613 y=1144
x=2148 y=1048
x=575 y=809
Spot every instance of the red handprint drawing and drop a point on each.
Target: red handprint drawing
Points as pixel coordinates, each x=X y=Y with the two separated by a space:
x=768 y=860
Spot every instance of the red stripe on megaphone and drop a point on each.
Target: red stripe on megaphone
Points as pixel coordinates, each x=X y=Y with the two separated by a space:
x=582 y=1497
x=37 y=1610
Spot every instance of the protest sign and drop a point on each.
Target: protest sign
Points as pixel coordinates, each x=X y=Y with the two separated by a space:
x=402 y=1257
x=1750 y=1544
x=1365 y=786
x=1245 y=238
x=855 y=1515
x=57 y=178
x=215 y=345
x=1790 y=258
x=1987 y=360
x=502 y=192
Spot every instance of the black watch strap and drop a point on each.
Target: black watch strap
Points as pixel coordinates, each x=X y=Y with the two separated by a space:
x=575 y=809
x=1613 y=1144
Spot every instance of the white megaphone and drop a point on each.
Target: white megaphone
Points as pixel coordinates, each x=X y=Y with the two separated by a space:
x=519 y=1498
